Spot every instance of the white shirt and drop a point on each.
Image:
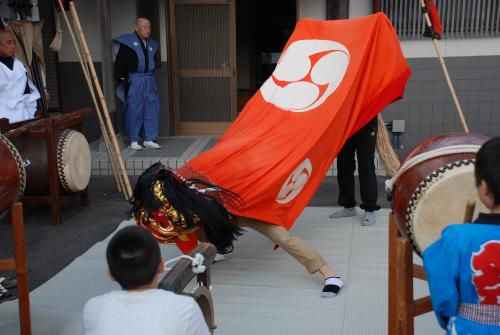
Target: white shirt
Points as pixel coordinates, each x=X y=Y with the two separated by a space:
x=151 y=312
x=14 y=104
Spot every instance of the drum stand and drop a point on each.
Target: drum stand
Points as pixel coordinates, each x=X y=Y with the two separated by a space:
x=402 y=306
x=181 y=274
x=46 y=129
x=20 y=265
x=56 y=199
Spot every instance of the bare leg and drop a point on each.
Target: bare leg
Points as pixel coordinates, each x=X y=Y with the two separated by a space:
x=326 y=272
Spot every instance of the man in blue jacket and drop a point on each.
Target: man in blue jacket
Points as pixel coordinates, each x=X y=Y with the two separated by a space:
x=137 y=90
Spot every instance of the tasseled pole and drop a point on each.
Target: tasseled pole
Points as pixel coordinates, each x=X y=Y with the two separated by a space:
x=56 y=43
x=385 y=150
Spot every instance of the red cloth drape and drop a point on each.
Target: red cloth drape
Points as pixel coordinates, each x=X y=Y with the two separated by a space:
x=332 y=78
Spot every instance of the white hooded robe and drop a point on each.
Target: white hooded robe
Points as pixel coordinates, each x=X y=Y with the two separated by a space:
x=14 y=104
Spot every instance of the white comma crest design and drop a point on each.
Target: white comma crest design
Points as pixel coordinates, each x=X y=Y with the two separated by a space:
x=295 y=182
x=289 y=87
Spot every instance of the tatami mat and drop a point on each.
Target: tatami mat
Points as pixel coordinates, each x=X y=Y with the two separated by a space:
x=258 y=291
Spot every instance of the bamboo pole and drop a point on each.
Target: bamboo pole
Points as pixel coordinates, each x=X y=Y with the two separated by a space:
x=445 y=70
x=86 y=52
x=111 y=157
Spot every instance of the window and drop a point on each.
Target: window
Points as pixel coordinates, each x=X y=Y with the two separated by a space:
x=460 y=18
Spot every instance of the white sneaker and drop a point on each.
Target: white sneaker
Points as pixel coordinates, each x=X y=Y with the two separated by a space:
x=135 y=146
x=343 y=213
x=368 y=219
x=151 y=145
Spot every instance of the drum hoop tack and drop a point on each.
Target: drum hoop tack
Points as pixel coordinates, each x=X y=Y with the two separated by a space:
x=20 y=164
x=419 y=191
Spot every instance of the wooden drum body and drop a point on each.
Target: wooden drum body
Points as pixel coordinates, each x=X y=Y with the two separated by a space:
x=12 y=175
x=437 y=182
x=73 y=162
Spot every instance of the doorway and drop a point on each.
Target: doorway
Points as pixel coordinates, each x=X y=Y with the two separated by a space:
x=222 y=51
x=202 y=38
x=262 y=29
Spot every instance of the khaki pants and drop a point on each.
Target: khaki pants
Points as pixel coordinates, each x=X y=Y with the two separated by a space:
x=293 y=245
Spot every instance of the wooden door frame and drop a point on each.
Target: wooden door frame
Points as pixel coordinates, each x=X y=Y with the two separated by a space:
x=199 y=128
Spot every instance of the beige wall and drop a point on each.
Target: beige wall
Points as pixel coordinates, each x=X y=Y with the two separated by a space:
x=89 y=19
x=123 y=14
x=359 y=8
x=163 y=31
x=313 y=9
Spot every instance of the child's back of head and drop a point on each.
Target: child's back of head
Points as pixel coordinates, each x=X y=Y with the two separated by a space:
x=133 y=257
x=486 y=170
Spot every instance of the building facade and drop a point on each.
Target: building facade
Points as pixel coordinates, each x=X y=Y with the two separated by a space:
x=215 y=54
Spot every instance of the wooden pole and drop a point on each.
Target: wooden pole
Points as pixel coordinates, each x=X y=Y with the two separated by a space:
x=445 y=70
x=469 y=211
x=86 y=52
x=404 y=287
x=111 y=157
x=17 y=221
x=392 y=321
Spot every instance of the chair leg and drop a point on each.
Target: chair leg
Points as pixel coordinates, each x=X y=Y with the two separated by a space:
x=404 y=292
x=17 y=220
x=392 y=283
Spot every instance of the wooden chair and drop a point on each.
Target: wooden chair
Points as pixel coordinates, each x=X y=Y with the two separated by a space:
x=181 y=274
x=20 y=264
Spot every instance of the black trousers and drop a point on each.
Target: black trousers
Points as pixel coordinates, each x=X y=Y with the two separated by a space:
x=362 y=144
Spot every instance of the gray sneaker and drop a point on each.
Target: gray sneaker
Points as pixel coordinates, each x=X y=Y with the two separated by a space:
x=368 y=219
x=222 y=256
x=343 y=213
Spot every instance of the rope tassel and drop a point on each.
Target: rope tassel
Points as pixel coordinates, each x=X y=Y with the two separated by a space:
x=387 y=155
x=196 y=262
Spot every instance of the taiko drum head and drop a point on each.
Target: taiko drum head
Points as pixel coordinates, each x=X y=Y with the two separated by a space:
x=435 y=186
x=439 y=201
x=73 y=161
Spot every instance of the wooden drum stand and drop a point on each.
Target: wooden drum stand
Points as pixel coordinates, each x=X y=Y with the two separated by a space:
x=46 y=129
x=402 y=308
x=181 y=274
x=20 y=265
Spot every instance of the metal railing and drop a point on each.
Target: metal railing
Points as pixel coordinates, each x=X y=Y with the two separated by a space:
x=460 y=18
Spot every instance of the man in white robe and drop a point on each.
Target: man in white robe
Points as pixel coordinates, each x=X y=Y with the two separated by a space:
x=18 y=95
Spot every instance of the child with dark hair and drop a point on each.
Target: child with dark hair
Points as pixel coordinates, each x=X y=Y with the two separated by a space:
x=463 y=266
x=135 y=262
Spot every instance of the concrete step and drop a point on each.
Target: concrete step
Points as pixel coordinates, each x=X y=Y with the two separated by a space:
x=175 y=152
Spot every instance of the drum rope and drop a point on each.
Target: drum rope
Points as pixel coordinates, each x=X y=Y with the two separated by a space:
x=196 y=262
x=449 y=150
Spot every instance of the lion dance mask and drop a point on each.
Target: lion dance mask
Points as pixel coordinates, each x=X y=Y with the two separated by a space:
x=176 y=209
